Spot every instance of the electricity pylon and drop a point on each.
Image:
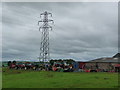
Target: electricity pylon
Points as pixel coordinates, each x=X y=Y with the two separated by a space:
x=44 y=28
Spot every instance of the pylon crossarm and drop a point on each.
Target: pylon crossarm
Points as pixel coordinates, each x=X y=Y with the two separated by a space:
x=50 y=21
x=39 y=22
x=50 y=14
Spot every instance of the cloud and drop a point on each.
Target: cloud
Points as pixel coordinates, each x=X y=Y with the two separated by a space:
x=82 y=31
x=0 y=32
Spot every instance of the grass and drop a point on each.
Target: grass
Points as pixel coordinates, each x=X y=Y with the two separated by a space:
x=0 y=77
x=44 y=79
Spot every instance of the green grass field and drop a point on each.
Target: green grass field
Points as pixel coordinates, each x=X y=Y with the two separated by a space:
x=44 y=79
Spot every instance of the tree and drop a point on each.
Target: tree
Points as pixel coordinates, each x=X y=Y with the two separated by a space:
x=9 y=63
x=14 y=62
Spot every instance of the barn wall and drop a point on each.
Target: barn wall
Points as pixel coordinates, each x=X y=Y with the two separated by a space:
x=106 y=66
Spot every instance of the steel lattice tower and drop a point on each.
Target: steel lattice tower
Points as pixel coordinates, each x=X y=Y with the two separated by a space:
x=44 y=28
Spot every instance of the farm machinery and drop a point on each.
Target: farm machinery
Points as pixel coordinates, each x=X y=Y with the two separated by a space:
x=24 y=65
x=62 y=67
x=20 y=65
x=56 y=66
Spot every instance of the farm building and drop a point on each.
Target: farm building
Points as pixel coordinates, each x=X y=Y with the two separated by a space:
x=110 y=64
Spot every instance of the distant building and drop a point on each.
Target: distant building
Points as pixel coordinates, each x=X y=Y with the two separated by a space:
x=111 y=64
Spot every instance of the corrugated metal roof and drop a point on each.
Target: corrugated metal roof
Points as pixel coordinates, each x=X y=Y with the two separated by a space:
x=106 y=60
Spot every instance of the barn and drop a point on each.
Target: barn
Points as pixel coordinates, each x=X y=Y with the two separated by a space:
x=108 y=64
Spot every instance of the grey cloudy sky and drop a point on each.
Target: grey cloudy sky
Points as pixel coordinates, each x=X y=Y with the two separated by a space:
x=82 y=31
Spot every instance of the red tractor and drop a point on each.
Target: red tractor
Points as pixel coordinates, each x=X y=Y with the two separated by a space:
x=20 y=65
x=12 y=65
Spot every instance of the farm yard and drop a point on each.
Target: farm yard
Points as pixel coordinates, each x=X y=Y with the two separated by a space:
x=72 y=52
x=61 y=74
x=12 y=78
